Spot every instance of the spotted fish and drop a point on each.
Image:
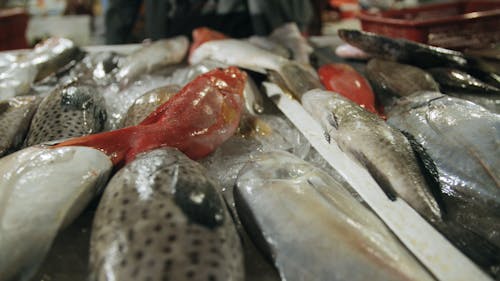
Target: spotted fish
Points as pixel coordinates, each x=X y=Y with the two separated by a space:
x=161 y=218
x=15 y=118
x=69 y=111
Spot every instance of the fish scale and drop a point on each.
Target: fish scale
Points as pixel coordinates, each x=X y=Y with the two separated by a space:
x=69 y=111
x=161 y=218
x=15 y=118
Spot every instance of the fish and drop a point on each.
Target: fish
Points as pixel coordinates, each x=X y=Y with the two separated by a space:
x=462 y=140
x=347 y=51
x=384 y=151
x=319 y=231
x=43 y=190
x=403 y=51
x=204 y=114
x=15 y=118
x=254 y=102
x=161 y=218
x=71 y=110
x=398 y=79
x=490 y=102
x=51 y=55
x=96 y=68
x=289 y=36
x=455 y=80
x=151 y=58
x=269 y=45
x=345 y=80
x=147 y=103
x=204 y=34
x=295 y=77
x=16 y=80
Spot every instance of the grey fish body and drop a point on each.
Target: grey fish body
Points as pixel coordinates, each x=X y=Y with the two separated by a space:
x=96 y=68
x=15 y=118
x=490 y=102
x=313 y=229
x=289 y=36
x=147 y=103
x=453 y=80
x=151 y=58
x=398 y=79
x=462 y=139
x=269 y=45
x=16 y=80
x=384 y=151
x=69 y=111
x=161 y=218
x=403 y=51
x=43 y=190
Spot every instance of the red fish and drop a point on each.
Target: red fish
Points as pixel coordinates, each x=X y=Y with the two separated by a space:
x=199 y=118
x=204 y=34
x=343 y=79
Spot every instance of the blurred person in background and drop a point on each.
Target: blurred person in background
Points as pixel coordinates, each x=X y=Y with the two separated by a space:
x=235 y=18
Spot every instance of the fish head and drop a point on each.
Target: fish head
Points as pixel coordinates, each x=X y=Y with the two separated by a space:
x=329 y=107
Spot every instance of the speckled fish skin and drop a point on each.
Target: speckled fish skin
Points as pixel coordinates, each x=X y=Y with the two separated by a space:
x=402 y=50
x=147 y=103
x=42 y=191
x=69 y=111
x=462 y=139
x=161 y=218
x=319 y=231
x=456 y=80
x=383 y=150
x=399 y=79
x=15 y=118
x=151 y=58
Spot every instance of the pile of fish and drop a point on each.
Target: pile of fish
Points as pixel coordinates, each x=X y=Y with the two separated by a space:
x=168 y=163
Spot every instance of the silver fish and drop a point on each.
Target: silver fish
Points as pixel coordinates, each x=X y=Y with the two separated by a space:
x=15 y=119
x=462 y=139
x=69 y=111
x=269 y=45
x=147 y=103
x=289 y=36
x=161 y=218
x=96 y=68
x=43 y=190
x=398 y=79
x=313 y=229
x=490 y=102
x=16 y=80
x=151 y=58
x=384 y=151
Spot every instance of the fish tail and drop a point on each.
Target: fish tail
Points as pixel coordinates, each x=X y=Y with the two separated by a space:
x=115 y=144
x=298 y=79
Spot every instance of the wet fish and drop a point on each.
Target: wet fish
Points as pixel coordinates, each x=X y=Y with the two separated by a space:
x=96 y=68
x=269 y=45
x=343 y=79
x=202 y=35
x=490 y=102
x=199 y=118
x=15 y=118
x=147 y=103
x=295 y=77
x=161 y=218
x=42 y=191
x=384 y=151
x=398 y=79
x=403 y=51
x=347 y=51
x=69 y=111
x=462 y=140
x=151 y=58
x=313 y=229
x=455 y=80
x=289 y=36
x=16 y=80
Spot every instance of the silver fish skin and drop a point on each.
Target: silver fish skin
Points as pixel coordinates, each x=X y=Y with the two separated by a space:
x=69 y=111
x=269 y=45
x=384 y=151
x=254 y=103
x=490 y=102
x=161 y=218
x=15 y=119
x=96 y=68
x=43 y=190
x=289 y=36
x=16 y=80
x=313 y=229
x=462 y=139
x=147 y=103
x=150 y=58
x=398 y=79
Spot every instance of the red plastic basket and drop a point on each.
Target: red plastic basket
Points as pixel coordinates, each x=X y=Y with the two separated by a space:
x=13 y=24
x=458 y=25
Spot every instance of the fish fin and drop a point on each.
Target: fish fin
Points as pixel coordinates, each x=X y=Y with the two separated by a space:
x=299 y=79
x=428 y=170
x=379 y=177
x=115 y=144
